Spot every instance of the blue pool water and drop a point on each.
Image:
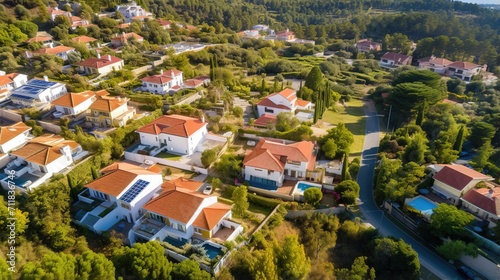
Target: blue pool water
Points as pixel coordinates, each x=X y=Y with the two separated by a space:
x=422 y=204
x=303 y=186
x=212 y=251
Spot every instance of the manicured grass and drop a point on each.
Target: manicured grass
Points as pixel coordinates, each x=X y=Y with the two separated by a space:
x=353 y=116
x=168 y=156
x=254 y=208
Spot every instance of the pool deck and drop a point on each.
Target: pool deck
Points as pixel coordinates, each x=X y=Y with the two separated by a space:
x=287 y=188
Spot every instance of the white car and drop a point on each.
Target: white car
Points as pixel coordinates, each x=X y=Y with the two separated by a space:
x=207 y=190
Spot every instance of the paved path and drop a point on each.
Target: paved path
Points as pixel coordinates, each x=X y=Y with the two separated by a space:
x=375 y=216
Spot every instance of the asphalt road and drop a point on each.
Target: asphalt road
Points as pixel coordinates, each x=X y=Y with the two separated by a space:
x=372 y=212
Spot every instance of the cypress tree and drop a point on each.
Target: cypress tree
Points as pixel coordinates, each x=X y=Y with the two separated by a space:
x=316 y=113
x=300 y=86
x=460 y=140
x=343 y=175
x=94 y=172
x=420 y=116
x=328 y=95
x=71 y=183
x=275 y=86
x=211 y=68
x=262 y=87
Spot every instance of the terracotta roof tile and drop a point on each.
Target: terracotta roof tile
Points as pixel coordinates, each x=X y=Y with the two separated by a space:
x=398 y=57
x=268 y=103
x=39 y=39
x=162 y=78
x=302 y=103
x=265 y=119
x=54 y=50
x=126 y=36
x=210 y=216
x=44 y=149
x=479 y=198
x=173 y=124
x=464 y=65
x=94 y=62
x=7 y=78
x=179 y=204
x=83 y=39
x=458 y=176
x=72 y=99
x=108 y=104
x=8 y=133
x=182 y=183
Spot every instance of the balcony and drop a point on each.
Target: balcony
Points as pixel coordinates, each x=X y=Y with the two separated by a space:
x=87 y=205
x=147 y=227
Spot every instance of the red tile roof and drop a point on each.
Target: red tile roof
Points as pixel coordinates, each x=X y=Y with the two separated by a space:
x=179 y=204
x=182 y=183
x=397 y=57
x=72 y=99
x=193 y=83
x=265 y=119
x=210 y=216
x=273 y=155
x=288 y=93
x=268 y=103
x=441 y=61
x=7 y=78
x=479 y=198
x=458 y=176
x=164 y=22
x=54 y=50
x=162 y=78
x=173 y=124
x=8 y=133
x=126 y=36
x=464 y=65
x=39 y=39
x=108 y=103
x=105 y=60
x=302 y=103
x=44 y=149
x=83 y=39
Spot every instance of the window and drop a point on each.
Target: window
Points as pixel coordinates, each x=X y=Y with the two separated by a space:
x=197 y=230
x=181 y=227
x=156 y=217
x=169 y=139
x=126 y=206
x=257 y=169
x=384 y=60
x=452 y=69
x=267 y=110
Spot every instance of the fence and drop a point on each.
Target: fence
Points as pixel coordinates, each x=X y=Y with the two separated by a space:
x=273 y=194
x=328 y=211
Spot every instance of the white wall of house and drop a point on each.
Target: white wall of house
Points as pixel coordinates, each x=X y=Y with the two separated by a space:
x=452 y=192
x=119 y=111
x=464 y=74
x=300 y=169
x=280 y=100
x=163 y=88
x=264 y=173
x=15 y=142
x=308 y=107
x=110 y=68
x=80 y=108
x=479 y=212
x=271 y=110
x=175 y=144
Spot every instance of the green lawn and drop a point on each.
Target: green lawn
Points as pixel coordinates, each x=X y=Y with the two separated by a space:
x=168 y=156
x=353 y=116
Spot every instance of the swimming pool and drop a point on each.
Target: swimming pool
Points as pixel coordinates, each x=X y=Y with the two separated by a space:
x=212 y=251
x=302 y=186
x=422 y=204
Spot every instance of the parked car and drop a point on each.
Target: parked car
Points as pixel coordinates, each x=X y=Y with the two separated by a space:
x=468 y=273
x=207 y=190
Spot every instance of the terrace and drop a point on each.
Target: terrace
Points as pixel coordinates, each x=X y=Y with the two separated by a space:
x=147 y=227
x=88 y=209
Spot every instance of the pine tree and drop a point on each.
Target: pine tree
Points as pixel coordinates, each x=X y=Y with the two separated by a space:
x=345 y=164
x=460 y=140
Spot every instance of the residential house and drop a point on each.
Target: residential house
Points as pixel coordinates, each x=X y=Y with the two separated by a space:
x=117 y=195
x=122 y=39
x=37 y=92
x=13 y=136
x=265 y=120
x=366 y=45
x=169 y=81
x=180 y=214
x=86 y=40
x=196 y=82
x=465 y=71
x=79 y=22
x=285 y=35
x=435 y=64
x=108 y=111
x=101 y=65
x=55 y=12
x=59 y=51
x=132 y=10
x=269 y=162
x=250 y=34
x=283 y=101
x=453 y=181
x=164 y=23
x=260 y=27
x=180 y=134
x=390 y=59
x=45 y=40
x=74 y=103
x=484 y=203
x=40 y=159
x=8 y=82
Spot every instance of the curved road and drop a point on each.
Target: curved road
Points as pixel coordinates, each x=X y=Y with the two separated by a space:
x=372 y=212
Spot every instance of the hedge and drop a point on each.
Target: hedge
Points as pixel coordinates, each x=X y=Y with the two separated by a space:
x=252 y=198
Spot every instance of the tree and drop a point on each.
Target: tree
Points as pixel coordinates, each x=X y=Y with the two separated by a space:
x=189 y=270
x=143 y=260
x=237 y=111
x=286 y=121
x=415 y=150
x=240 y=200
x=208 y=156
x=228 y=167
x=342 y=136
x=460 y=140
x=359 y=271
x=329 y=148
x=314 y=79
x=313 y=196
x=481 y=132
x=94 y=266
x=345 y=164
x=395 y=259
x=453 y=249
x=21 y=221
x=71 y=182
x=484 y=154
x=52 y=266
x=348 y=191
x=264 y=266
x=448 y=221
x=291 y=259
x=5 y=273
x=420 y=115
x=94 y=172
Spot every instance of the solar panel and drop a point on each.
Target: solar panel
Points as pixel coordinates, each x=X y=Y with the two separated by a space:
x=133 y=191
x=41 y=83
x=21 y=97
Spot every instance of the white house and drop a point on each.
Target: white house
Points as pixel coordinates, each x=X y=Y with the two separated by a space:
x=122 y=191
x=435 y=64
x=132 y=10
x=102 y=66
x=390 y=59
x=267 y=164
x=45 y=40
x=465 y=71
x=122 y=39
x=37 y=92
x=283 y=101
x=180 y=134
x=13 y=136
x=452 y=181
x=74 y=103
x=59 y=51
x=8 y=82
x=484 y=203
x=179 y=214
x=365 y=45
x=55 y=12
x=166 y=82
x=108 y=111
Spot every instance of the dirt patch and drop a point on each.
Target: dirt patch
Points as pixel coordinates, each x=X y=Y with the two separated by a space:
x=286 y=228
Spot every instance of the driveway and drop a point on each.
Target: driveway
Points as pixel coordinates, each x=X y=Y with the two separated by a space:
x=375 y=216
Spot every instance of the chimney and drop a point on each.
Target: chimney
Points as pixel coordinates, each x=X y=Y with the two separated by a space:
x=172 y=74
x=161 y=72
x=45 y=78
x=98 y=56
x=109 y=57
x=202 y=118
x=51 y=45
x=123 y=34
x=490 y=194
x=27 y=54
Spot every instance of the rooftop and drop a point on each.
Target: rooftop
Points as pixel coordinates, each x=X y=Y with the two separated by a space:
x=96 y=62
x=487 y=199
x=44 y=149
x=108 y=103
x=459 y=176
x=72 y=99
x=8 y=133
x=173 y=124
